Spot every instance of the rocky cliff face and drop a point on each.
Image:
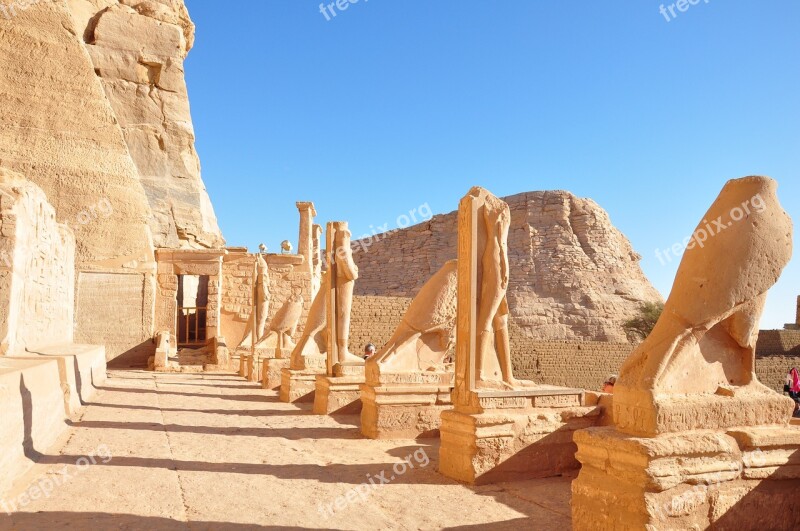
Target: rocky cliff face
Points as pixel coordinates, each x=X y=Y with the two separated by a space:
x=137 y=49
x=60 y=131
x=94 y=110
x=573 y=275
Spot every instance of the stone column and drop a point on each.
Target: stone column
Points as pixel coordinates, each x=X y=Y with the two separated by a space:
x=305 y=244
x=797 y=319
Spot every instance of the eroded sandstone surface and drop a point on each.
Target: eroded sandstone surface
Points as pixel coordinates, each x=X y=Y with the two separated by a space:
x=137 y=49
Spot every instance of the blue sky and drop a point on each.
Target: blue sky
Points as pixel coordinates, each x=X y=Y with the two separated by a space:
x=394 y=104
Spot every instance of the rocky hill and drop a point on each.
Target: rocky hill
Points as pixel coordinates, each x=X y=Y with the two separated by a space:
x=574 y=276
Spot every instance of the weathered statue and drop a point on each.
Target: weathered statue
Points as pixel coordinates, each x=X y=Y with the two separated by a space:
x=494 y=221
x=263 y=295
x=316 y=260
x=284 y=325
x=697 y=367
x=314 y=340
x=258 y=321
x=427 y=332
x=344 y=272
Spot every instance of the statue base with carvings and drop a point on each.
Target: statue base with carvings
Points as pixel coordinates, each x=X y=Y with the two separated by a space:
x=299 y=385
x=493 y=436
x=728 y=460
x=405 y=405
x=340 y=393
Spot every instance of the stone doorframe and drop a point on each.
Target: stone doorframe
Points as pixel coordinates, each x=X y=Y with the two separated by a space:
x=174 y=262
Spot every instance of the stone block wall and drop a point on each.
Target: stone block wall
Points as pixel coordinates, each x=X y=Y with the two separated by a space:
x=116 y=310
x=579 y=364
x=587 y=364
x=238 y=284
x=776 y=353
x=374 y=320
x=37 y=269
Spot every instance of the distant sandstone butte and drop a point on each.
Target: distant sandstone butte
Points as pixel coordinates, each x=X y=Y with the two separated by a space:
x=574 y=276
x=137 y=49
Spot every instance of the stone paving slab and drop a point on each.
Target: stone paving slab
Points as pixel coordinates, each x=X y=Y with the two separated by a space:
x=212 y=451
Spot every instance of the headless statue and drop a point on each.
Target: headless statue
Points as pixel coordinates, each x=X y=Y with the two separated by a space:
x=258 y=322
x=427 y=332
x=314 y=339
x=344 y=278
x=704 y=343
x=493 y=277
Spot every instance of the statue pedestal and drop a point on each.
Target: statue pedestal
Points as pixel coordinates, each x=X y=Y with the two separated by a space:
x=298 y=385
x=405 y=405
x=241 y=355
x=257 y=361
x=340 y=393
x=742 y=478
x=272 y=372
x=509 y=435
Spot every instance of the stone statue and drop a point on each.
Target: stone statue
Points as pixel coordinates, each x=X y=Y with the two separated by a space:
x=263 y=295
x=697 y=367
x=258 y=320
x=492 y=341
x=343 y=274
x=316 y=260
x=427 y=332
x=314 y=340
x=284 y=325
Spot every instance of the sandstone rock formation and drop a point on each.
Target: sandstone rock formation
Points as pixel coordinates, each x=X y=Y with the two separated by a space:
x=137 y=49
x=61 y=131
x=574 y=276
x=95 y=112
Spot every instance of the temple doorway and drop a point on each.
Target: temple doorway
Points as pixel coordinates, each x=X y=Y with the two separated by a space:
x=192 y=310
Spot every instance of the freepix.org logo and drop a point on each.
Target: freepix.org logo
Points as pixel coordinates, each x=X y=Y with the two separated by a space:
x=10 y=10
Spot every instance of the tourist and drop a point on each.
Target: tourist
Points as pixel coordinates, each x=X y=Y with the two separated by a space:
x=369 y=351
x=792 y=384
x=608 y=386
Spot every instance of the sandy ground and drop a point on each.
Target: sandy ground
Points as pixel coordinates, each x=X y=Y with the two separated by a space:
x=189 y=451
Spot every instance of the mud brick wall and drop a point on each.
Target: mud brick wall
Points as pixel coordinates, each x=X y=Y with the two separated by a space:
x=37 y=269
x=374 y=320
x=776 y=353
